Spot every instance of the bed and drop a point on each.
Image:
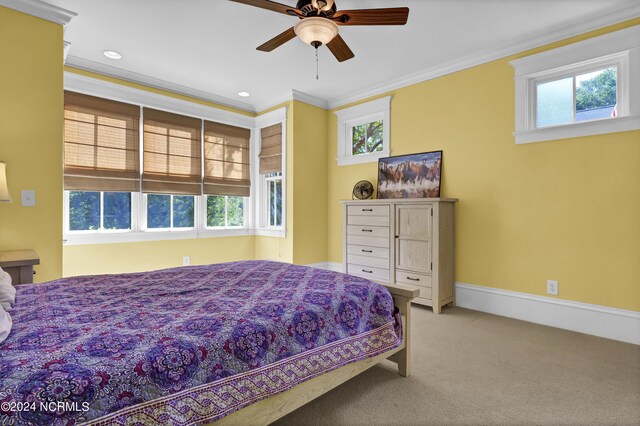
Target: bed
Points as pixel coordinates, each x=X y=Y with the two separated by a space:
x=232 y=343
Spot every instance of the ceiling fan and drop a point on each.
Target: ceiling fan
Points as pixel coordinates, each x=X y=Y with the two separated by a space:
x=319 y=21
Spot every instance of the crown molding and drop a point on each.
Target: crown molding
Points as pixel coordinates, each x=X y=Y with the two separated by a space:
x=65 y=50
x=294 y=95
x=628 y=10
x=40 y=9
x=117 y=92
x=133 y=77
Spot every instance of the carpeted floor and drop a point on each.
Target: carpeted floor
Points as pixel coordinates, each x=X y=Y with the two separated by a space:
x=472 y=368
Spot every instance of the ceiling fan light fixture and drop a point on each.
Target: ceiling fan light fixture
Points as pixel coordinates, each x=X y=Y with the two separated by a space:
x=316 y=30
x=323 y=5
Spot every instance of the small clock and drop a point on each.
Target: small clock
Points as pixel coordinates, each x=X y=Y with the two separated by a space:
x=362 y=190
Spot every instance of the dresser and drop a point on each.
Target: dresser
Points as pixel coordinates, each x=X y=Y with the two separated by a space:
x=404 y=241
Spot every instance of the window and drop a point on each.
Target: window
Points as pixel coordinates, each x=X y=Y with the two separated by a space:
x=363 y=132
x=270 y=204
x=583 y=97
x=141 y=174
x=98 y=211
x=170 y=211
x=225 y=211
x=274 y=199
x=579 y=90
x=367 y=138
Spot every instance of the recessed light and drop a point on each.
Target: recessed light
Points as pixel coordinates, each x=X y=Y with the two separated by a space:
x=112 y=54
x=244 y=94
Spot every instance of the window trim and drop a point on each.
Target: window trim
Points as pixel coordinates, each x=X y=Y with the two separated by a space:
x=267 y=181
x=138 y=233
x=144 y=217
x=378 y=109
x=260 y=199
x=203 y=214
x=107 y=90
x=619 y=49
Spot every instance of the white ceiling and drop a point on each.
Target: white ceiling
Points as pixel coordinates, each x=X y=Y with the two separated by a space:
x=207 y=48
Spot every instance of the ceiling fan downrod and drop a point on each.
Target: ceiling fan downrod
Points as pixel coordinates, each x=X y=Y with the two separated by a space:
x=317 y=62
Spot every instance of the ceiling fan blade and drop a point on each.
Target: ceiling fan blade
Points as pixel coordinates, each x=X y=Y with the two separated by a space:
x=389 y=16
x=339 y=48
x=271 y=5
x=277 y=41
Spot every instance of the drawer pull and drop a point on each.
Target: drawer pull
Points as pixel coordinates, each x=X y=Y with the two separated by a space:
x=367 y=210
x=368 y=272
x=367 y=230
x=413 y=279
x=367 y=251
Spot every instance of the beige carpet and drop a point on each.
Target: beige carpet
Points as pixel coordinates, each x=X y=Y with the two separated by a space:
x=473 y=368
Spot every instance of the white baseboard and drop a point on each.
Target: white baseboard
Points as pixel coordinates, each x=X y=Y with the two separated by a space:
x=611 y=323
x=602 y=321
x=330 y=266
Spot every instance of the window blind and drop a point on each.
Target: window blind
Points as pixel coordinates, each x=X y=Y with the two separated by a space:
x=101 y=144
x=171 y=153
x=271 y=149
x=226 y=160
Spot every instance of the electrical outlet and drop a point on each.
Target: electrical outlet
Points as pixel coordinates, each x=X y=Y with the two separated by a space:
x=552 y=287
x=186 y=261
x=28 y=198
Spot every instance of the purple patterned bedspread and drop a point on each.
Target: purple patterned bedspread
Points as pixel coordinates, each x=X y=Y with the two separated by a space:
x=184 y=345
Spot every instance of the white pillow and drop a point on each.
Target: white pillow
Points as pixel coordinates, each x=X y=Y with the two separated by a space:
x=7 y=291
x=5 y=324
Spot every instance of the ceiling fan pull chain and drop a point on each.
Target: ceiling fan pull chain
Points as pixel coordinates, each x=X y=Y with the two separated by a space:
x=317 y=66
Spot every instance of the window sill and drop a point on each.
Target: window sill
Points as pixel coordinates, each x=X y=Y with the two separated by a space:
x=362 y=158
x=585 y=128
x=271 y=232
x=154 y=235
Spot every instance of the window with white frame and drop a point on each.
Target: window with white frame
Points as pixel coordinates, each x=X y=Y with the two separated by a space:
x=98 y=211
x=165 y=211
x=363 y=132
x=225 y=211
x=110 y=193
x=273 y=199
x=581 y=89
x=271 y=172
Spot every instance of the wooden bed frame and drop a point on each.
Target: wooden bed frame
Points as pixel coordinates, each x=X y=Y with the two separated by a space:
x=271 y=409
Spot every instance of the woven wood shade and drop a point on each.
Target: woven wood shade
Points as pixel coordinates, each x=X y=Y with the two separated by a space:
x=226 y=160
x=172 y=159
x=101 y=145
x=271 y=149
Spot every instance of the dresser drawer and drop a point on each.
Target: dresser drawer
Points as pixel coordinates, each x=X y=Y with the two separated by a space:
x=368 y=241
x=406 y=277
x=368 y=251
x=368 y=272
x=369 y=220
x=369 y=231
x=425 y=292
x=368 y=261
x=368 y=210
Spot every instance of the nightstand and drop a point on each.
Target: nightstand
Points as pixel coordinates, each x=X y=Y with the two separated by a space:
x=19 y=264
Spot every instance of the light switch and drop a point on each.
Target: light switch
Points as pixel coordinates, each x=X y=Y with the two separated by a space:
x=28 y=198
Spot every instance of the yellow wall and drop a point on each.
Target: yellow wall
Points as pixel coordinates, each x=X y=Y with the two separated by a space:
x=310 y=184
x=306 y=189
x=150 y=255
x=31 y=136
x=566 y=210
